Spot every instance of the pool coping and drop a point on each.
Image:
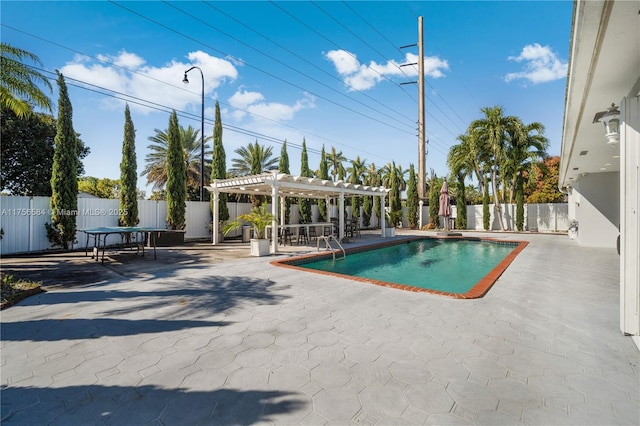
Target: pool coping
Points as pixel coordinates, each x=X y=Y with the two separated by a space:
x=477 y=291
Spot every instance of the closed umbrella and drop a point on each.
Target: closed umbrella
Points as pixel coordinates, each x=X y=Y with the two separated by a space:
x=445 y=205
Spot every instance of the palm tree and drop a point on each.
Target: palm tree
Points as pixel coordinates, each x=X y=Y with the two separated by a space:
x=372 y=178
x=18 y=89
x=526 y=146
x=524 y=149
x=253 y=159
x=335 y=159
x=467 y=157
x=492 y=131
x=357 y=171
x=156 y=160
x=356 y=175
x=392 y=171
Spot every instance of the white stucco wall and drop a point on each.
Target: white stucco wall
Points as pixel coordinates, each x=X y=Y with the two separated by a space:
x=596 y=203
x=629 y=215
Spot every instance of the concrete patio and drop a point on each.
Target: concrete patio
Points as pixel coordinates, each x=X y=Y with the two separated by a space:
x=228 y=339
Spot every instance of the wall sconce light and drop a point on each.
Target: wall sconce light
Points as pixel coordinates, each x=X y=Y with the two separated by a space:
x=611 y=120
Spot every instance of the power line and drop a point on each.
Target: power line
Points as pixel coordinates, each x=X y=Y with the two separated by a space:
x=254 y=67
x=298 y=56
x=173 y=86
x=367 y=44
x=385 y=38
x=184 y=114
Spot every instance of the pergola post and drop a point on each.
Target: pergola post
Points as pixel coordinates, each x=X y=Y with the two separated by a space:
x=383 y=219
x=328 y=207
x=341 y=216
x=274 y=211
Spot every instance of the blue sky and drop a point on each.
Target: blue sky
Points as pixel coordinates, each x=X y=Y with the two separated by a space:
x=324 y=71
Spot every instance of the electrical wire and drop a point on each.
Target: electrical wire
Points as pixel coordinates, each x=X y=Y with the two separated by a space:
x=291 y=52
x=254 y=67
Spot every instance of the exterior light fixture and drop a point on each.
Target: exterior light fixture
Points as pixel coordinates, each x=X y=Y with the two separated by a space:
x=611 y=120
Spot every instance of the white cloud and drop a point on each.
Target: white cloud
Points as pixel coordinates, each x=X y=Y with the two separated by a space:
x=345 y=62
x=124 y=59
x=541 y=65
x=162 y=85
x=247 y=102
x=360 y=76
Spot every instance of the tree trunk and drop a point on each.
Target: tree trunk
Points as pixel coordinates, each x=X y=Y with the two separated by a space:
x=496 y=201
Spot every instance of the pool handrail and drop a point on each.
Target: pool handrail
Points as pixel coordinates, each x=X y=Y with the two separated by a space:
x=327 y=239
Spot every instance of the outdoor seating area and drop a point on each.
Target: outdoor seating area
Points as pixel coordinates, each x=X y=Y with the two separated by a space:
x=307 y=233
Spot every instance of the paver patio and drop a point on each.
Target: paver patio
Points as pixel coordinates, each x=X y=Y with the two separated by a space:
x=243 y=342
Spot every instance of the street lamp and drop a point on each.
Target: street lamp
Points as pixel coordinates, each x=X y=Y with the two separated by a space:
x=186 y=81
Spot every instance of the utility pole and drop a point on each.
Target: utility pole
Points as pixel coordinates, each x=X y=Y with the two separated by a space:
x=422 y=154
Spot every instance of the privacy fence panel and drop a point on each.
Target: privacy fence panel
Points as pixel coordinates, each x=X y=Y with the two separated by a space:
x=198 y=219
x=22 y=219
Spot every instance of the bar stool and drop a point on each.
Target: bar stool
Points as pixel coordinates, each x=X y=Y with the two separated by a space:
x=285 y=235
x=302 y=235
x=312 y=233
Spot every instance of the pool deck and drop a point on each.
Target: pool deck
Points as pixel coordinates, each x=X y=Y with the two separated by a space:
x=208 y=335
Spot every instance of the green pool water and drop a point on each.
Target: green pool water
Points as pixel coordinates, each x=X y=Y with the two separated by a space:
x=454 y=266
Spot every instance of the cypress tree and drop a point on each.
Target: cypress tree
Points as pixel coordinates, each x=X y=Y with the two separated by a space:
x=176 y=176
x=64 y=175
x=412 y=199
x=323 y=173
x=219 y=164
x=519 y=203
x=434 y=201
x=128 y=175
x=486 y=216
x=395 y=205
x=283 y=167
x=304 y=204
x=377 y=201
x=461 y=204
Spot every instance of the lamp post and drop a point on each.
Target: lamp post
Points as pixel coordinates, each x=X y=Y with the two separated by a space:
x=186 y=81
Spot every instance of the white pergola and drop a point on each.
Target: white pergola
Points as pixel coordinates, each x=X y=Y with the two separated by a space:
x=279 y=186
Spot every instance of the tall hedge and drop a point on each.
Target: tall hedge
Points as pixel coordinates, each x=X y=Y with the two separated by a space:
x=486 y=215
x=304 y=204
x=128 y=175
x=283 y=167
x=64 y=176
x=323 y=173
x=412 y=199
x=176 y=176
x=219 y=164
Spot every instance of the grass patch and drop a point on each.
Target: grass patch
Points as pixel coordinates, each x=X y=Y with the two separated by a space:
x=14 y=290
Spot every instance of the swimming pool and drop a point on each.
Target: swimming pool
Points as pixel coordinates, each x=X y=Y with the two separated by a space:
x=457 y=267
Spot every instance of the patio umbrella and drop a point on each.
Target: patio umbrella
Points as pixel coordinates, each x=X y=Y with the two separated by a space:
x=445 y=205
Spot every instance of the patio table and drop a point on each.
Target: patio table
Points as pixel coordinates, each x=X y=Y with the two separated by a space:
x=100 y=235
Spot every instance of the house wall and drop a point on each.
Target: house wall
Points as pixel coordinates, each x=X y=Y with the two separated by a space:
x=596 y=202
x=629 y=220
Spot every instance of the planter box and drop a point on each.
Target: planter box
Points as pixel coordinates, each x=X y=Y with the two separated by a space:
x=390 y=232
x=260 y=247
x=166 y=238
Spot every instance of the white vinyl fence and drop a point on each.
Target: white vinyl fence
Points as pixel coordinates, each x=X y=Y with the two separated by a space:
x=22 y=219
